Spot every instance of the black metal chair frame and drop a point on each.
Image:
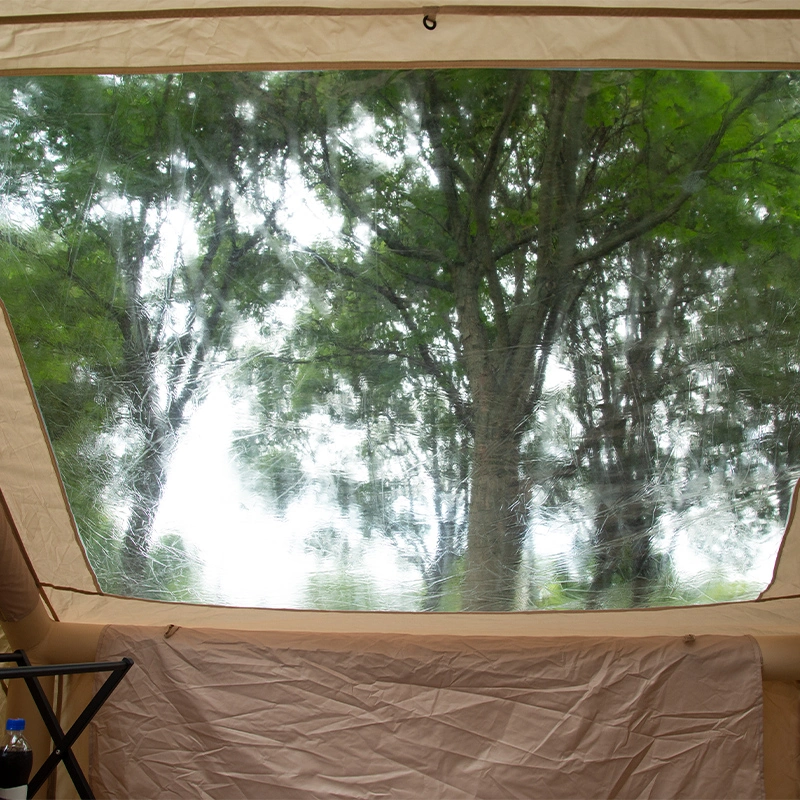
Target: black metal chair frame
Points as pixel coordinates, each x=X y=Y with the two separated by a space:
x=62 y=742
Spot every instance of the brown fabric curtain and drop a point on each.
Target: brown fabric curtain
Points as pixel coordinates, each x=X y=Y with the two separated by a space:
x=212 y=714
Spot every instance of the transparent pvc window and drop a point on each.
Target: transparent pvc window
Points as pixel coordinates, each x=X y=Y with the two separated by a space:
x=421 y=340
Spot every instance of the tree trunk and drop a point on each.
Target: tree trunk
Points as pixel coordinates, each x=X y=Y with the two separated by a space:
x=498 y=515
x=147 y=488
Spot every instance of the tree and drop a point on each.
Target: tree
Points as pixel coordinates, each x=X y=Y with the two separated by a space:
x=522 y=187
x=121 y=157
x=664 y=348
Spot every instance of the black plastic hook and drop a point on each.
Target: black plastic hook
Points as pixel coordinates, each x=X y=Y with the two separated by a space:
x=429 y=22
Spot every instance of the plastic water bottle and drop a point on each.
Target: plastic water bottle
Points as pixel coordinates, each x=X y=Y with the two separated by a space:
x=16 y=762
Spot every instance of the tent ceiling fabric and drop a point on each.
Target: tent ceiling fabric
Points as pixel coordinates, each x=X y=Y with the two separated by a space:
x=86 y=36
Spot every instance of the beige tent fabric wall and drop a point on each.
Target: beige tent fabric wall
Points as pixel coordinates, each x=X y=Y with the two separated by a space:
x=210 y=714
x=135 y=9
x=786 y=581
x=4 y=648
x=781 y=729
x=769 y=618
x=51 y=36
x=18 y=592
x=781 y=739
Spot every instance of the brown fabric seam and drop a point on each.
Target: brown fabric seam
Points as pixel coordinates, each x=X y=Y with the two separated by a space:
x=410 y=614
x=759 y=659
x=469 y=10
x=278 y=66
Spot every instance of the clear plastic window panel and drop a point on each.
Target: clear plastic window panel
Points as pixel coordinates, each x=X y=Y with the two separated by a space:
x=422 y=340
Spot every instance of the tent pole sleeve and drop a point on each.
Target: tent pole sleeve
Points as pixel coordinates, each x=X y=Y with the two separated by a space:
x=780 y=657
x=49 y=642
x=30 y=632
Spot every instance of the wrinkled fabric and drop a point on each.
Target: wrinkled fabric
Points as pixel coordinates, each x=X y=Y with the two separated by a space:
x=212 y=714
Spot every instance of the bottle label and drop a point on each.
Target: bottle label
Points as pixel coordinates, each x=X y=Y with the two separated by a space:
x=14 y=793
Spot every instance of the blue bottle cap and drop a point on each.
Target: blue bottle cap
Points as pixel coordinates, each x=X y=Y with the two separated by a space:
x=15 y=725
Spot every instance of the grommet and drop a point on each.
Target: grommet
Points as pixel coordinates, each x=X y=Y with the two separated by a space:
x=429 y=22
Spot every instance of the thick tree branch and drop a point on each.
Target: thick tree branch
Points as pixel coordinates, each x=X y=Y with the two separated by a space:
x=491 y=162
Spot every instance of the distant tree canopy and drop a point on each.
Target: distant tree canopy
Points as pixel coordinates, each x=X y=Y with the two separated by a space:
x=635 y=230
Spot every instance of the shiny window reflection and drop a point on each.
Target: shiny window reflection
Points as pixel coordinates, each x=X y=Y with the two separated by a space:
x=419 y=340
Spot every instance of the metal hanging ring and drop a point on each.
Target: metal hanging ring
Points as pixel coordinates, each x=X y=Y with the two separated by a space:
x=430 y=24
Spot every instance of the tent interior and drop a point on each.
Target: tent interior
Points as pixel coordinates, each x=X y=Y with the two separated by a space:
x=410 y=392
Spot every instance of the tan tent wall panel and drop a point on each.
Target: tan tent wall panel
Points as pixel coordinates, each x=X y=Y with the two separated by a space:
x=392 y=35
x=29 y=480
x=19 y=594
x=786 y=580
x=4 y=648
x=357 y=716
x=781 y=740
x=780 y=733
